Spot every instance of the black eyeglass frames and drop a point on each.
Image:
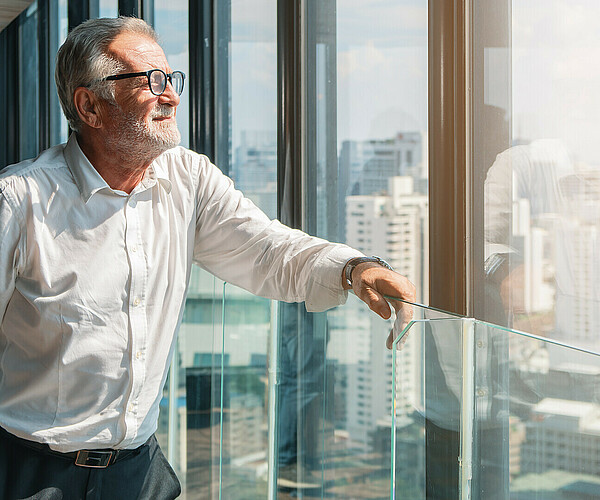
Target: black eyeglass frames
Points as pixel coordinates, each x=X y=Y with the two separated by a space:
x=157 y=80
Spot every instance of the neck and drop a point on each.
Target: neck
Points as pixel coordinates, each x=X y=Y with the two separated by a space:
x=122 y=169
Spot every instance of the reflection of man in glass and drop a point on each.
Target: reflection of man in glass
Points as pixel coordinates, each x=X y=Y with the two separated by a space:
x=525 y=182
x=302 y=373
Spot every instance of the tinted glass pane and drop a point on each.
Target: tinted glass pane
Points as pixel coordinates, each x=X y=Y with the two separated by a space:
x=382 y=132
x=371 y=95
x=171 y=24
x=537 y=154
x=108 y=8
x=28 y=89
x=536 y=418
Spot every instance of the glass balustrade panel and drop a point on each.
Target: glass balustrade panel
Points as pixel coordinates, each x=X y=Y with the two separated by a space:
x=240 y=387
x=426 y=401
x=536 y=431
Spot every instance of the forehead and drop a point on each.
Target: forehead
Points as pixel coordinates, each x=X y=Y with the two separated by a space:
x=138 y=52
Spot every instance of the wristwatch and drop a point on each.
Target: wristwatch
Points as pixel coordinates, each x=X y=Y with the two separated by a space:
x=352 y=263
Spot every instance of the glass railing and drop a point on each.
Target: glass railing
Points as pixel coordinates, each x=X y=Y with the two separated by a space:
x=300 y=405
x=493 y=414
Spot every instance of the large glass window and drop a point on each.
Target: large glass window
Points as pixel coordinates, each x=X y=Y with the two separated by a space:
x=370 y=92
x=537 y=186
x=171 y=24
x=540 y=161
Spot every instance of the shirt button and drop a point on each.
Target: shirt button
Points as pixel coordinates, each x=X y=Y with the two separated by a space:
x=481 y=392
x=134 y=249
x=138 y=355
x=136 y=301
x=130 y=408
x=480 y=343
x=132 y=203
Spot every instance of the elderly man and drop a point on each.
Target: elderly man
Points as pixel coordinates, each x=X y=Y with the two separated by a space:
x=97 y=239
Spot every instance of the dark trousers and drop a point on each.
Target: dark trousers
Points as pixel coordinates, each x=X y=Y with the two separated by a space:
x=26 y=473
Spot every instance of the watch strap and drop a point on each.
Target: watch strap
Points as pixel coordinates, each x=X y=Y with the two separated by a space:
x=352 y=263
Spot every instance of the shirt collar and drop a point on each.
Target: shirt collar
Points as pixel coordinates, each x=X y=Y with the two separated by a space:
x=89 y=181
x=157 y=171
x=87 y=178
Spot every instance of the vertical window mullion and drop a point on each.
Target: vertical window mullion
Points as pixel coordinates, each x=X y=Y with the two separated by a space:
x=9 y=84
x=289 y=105
x=44 y=140
x=144 y=9
x=222 y=84
x=201 y=84
x=448 y=154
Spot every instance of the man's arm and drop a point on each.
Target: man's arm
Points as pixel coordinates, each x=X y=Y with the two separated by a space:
x=238 y=243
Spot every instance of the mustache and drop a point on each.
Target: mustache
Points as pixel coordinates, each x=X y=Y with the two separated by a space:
x=163 y=111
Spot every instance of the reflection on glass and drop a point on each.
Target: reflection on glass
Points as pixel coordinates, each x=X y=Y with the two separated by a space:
x=381 y=106
x=28 y=90
x=253 y=107
x=427 y=395
x=537 y=418
x=171 y=24
x=542 y=188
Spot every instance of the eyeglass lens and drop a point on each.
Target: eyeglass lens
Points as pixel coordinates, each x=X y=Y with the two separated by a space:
x=158 y=81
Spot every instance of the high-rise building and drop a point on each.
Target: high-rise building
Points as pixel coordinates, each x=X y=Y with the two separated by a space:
x=367 y=165
x=392 y=225
x=255 y=169
x=562 y=435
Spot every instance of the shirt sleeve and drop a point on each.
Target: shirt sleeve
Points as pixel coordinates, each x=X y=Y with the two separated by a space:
x=11 y=250
x=239 y=244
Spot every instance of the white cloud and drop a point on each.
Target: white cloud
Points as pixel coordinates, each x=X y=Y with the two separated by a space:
x=555 y=73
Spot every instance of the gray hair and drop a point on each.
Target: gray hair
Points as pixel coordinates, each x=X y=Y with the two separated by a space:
x=83 y=60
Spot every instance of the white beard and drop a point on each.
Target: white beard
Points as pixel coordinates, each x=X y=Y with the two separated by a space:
x=138 y=139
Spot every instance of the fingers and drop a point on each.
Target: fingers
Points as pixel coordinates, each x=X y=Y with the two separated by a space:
x=373 y=283
x=404 y=314
x=390 y=340
x=374 y=300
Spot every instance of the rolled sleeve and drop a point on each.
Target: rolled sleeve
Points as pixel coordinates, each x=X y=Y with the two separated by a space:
x=325 y=285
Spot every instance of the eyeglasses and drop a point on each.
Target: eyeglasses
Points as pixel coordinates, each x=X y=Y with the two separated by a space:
x=157 y=80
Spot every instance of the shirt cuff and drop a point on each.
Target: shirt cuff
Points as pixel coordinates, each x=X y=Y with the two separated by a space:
x=325 y=288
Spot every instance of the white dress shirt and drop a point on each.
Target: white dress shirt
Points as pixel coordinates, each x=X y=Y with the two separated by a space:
x=93 y=283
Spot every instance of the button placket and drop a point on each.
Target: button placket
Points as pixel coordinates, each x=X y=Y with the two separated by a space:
x=137 y=316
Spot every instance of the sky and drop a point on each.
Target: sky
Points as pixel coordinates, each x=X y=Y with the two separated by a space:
x=556 y=73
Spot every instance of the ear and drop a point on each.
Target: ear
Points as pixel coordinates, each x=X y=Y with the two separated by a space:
x=88 y=107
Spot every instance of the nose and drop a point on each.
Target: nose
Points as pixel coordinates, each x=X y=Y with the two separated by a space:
x=169 y=96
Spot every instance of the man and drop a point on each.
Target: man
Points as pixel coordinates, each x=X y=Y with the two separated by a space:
x=97 y=239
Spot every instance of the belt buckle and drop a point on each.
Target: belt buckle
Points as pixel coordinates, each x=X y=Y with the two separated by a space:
x=96 y=459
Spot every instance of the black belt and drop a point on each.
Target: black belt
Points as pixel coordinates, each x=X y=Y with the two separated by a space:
x=98 y=459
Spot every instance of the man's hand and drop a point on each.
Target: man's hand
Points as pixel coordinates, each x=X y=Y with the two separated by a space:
x=370 y=282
